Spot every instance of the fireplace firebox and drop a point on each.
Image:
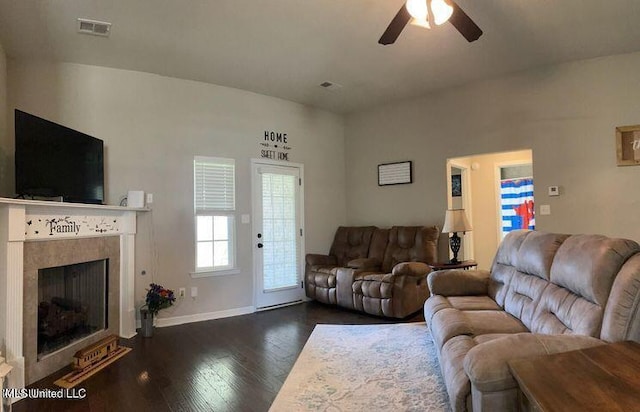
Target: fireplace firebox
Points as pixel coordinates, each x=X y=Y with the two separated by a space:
x=72 y=304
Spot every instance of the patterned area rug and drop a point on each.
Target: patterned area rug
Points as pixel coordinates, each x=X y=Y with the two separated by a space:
x=365 y=368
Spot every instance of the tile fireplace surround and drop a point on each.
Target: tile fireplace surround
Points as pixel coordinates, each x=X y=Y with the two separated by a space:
x=35 y=235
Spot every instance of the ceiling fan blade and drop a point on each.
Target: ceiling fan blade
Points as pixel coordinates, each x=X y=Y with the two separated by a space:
x=467 y=27
x=395 y=27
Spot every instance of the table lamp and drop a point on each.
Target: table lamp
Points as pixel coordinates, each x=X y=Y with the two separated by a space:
x=455 y=220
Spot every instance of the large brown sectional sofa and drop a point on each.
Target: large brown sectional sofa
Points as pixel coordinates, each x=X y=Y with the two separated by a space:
x=378 y=271
x=545 y=293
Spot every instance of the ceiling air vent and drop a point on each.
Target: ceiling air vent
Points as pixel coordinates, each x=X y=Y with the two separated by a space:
x=330 y=85
x=97 y=28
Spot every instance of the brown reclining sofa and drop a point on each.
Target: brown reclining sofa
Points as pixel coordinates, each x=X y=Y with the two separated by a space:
x=377 y=271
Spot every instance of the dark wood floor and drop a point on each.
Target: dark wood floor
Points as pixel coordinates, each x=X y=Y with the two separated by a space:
x=233 y=364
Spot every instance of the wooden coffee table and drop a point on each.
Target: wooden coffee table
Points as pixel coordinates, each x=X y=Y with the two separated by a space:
x=603 y=378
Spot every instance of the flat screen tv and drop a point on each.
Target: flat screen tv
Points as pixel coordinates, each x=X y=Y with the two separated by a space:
x=53 y=161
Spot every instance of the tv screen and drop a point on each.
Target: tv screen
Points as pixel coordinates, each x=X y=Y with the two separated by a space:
x=53 y=161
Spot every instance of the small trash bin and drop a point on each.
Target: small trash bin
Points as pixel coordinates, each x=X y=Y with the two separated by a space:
x=146 y=322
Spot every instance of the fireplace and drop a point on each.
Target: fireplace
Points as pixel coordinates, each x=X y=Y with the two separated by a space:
x=29 y=242
x=72 y=302
x=71 y=290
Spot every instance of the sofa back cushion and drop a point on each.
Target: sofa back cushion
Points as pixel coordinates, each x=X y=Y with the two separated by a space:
x=351 y=243
x=581 y=277
x=521 y=271
x=622 y=314
x=379 y=242
x=410 y=244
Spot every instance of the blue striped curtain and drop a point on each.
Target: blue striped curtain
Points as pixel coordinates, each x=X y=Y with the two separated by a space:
x=516 y=198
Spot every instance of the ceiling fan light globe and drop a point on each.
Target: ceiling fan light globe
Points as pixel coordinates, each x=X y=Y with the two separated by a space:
x=421 y=23
x=442 y=11
x=418 y=9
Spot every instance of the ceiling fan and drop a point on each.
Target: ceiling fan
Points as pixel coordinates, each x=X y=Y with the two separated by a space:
x=430 y=13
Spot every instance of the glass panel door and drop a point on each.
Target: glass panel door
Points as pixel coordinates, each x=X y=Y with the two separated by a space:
x=278 y=234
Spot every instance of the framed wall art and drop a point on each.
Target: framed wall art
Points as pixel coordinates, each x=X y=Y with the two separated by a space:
x=456 y=185
x=397 y=173
x=628 y=145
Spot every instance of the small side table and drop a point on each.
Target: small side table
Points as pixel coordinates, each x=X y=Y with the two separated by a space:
x=464 y=265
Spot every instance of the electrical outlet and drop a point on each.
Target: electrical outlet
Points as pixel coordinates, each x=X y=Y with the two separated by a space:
x=182 y=292
x=149 y=198
x=194 y=291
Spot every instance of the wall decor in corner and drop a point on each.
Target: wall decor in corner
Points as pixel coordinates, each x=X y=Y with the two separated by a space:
x=628 y=145
x=397 y=173
x=275 y=146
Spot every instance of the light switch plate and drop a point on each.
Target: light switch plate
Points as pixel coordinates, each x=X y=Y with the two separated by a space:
x=245 y=219
x=545 y=209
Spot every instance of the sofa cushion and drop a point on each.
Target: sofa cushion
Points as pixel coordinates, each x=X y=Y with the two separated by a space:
x=452 y=366
x=522 y=295
x=587 y=264
x=493 y=321
x=410 y=244
x=325 y=277
x=448 y=323
x=457 y=282
x=433 y=305
x=487 y=364
x=351 y=243
x=473 y=303
x=455 y=378
x=375 y=286
x=521 y=272
x=536 y=253
x=623 y=307
x=562 y=312
x=437 y=303
x=582 y=275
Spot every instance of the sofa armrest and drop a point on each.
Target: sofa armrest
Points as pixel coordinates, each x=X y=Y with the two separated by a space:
x=417 y=269
x=320 y=260
x=459 y=282
x=487 y=364
x=372 y=264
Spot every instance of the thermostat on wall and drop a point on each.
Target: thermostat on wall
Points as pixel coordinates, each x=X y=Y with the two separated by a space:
x=554 y=191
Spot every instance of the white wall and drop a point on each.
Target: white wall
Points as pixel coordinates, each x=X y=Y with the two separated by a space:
x=6 y=159
x=153 y=126
x=566 y=114
x=4 y=165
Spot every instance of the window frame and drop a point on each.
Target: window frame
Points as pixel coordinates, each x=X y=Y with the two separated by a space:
x=231 y=268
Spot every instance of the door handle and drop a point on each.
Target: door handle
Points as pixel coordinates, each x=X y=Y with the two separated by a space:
x=260 y=245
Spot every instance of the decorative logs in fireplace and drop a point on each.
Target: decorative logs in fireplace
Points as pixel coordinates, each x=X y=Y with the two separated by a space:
x=60 y=320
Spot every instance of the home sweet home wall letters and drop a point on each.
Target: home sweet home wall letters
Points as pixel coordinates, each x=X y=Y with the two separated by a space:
x=275 y=146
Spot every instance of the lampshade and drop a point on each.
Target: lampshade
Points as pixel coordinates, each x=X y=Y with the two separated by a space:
x=455 y=220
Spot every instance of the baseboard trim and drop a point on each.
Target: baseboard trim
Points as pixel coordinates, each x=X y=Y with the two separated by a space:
x=200 y=317
x=282 y=305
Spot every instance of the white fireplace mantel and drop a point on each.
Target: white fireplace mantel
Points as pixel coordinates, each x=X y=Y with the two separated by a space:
x=29 y=220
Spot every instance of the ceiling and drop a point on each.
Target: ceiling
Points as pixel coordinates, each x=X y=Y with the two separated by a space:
x=286 y=48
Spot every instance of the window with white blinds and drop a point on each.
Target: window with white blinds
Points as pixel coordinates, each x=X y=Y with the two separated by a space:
x=214 y=204
x=215 y=184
